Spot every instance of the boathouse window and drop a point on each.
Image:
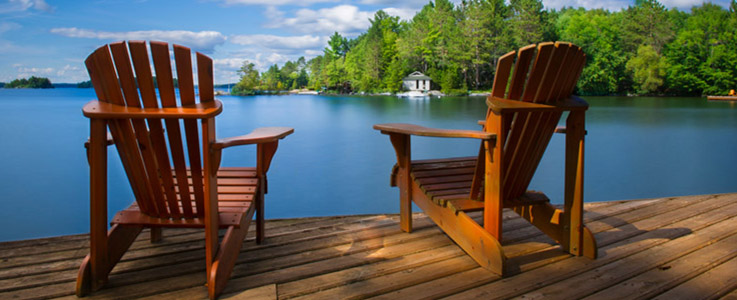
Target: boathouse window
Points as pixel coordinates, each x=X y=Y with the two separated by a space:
x=417 y=84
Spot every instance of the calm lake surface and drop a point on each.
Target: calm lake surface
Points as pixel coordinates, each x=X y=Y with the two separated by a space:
x=336 y=164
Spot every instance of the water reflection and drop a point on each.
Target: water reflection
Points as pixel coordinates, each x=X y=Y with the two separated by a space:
x=336 y=164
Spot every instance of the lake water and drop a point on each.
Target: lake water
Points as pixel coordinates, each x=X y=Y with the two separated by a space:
x=336 y=164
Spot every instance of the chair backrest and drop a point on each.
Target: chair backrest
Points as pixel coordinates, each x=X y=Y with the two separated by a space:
x=543 y=73
x=121 y=74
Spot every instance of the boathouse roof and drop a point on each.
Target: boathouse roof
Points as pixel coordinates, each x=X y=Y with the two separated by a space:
x=416 y=75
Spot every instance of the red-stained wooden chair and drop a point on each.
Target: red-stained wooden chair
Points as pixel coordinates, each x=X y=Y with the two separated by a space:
x=174 y=173
x=532 y=88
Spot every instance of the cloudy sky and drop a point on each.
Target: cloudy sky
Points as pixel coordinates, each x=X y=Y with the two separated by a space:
x=51 y=38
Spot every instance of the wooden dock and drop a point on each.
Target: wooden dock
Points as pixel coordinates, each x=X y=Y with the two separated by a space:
x=669 y=248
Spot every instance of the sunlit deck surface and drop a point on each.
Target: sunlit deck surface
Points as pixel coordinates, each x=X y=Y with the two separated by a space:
x=670 y=248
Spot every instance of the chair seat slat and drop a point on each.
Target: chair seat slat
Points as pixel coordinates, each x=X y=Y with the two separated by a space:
x=228 y=216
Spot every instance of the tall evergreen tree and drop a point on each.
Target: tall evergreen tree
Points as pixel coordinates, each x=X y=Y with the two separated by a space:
x=646 y=23
x=526 y=22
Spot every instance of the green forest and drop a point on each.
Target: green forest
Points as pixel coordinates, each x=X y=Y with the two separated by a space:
x=32 y=82
x=645 y=49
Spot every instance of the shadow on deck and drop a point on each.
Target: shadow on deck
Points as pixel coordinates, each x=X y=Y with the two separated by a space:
x=681 y=247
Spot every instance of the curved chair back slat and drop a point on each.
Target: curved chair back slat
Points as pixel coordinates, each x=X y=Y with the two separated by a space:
x=544 y=73
x=163 y=164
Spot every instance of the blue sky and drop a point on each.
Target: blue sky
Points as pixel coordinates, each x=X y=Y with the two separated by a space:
x=52 y=38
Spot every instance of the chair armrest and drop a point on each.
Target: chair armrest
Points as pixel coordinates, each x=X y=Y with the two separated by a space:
x=411 y=129
x=258 y=136
x=103 y=110
x=501 y=105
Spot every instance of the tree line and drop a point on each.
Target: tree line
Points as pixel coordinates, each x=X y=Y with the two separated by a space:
x=32 y=82
x=644 y=49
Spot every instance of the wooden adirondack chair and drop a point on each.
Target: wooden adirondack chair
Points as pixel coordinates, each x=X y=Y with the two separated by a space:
x=174 y=186
x=522 y=117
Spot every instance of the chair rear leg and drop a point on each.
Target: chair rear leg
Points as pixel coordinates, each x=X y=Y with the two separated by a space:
x=155 y=234
x=259 y=201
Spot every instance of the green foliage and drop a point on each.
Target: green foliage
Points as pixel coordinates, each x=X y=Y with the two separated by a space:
x=595 y=31
x=648 y=69
x=32 y=82
x=85 y=84
x=250 y=80
x=646 y=23
x=703 y=56
x=645 y=49
x=526 y=22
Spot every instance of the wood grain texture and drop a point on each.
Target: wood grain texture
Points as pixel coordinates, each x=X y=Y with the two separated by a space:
x=174 y=186
x=321 y=257
x=530 y=93
x=411 y=129
x=257 y=136
x=100 y=110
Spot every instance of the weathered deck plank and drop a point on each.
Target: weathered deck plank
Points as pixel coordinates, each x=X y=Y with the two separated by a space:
x=681 y=246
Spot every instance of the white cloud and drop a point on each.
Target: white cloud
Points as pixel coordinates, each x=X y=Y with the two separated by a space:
x=226 y=69
x=346 y=19
x=266 y=50
x=280 y=42
x=24 y=5
x=68 y=70
x=276 y=2
x=233 y=63
x=403 y=13
x=611 y=5
x=66 y=74
x=8 y=26
x=685 y=5
x=204 y=41
x=33 y=71
x=617 y=5
x=405 y=3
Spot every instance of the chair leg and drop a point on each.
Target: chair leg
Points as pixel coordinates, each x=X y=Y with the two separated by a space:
x=225 y=260
x=402 y=147
x=155 y=234
x=260 y=214
x=119 y=239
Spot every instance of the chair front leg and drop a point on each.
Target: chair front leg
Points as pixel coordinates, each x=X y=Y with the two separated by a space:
x=402 y=147
x=493 y=168
x=93 y=272
x=265 y=153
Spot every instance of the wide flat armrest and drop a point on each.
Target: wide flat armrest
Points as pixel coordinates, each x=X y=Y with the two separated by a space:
x=434 y=132
x=103 y=110
x=258 y=136
x=501 y=105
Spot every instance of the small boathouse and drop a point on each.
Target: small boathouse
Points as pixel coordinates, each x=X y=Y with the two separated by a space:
x=417 y=82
